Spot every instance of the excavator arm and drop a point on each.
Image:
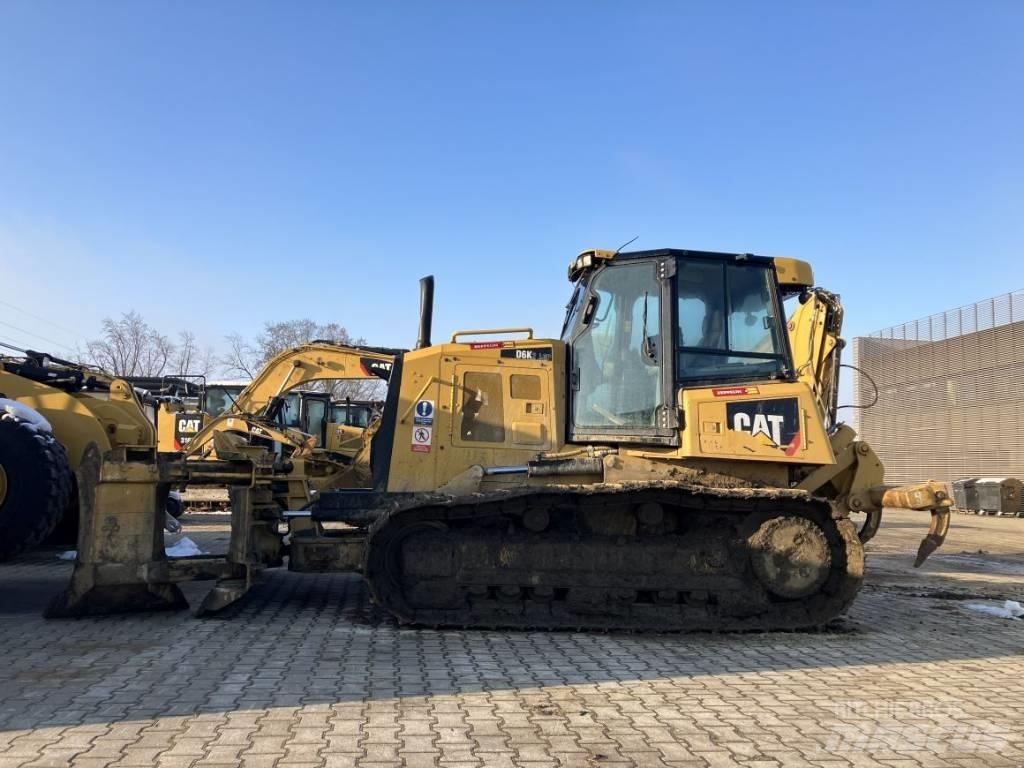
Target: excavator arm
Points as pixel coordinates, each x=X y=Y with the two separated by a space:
x=317 y=361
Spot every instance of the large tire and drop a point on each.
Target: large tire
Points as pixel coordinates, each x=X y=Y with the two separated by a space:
x=36 y=486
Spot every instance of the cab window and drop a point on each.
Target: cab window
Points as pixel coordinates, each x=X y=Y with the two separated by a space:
x=728 y=323
x=316 y=417
x=289 y=415
x=616 y=354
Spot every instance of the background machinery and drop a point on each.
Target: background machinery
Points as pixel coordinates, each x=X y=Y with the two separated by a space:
x=672 y=461
x=278 y=405
x=52 y=411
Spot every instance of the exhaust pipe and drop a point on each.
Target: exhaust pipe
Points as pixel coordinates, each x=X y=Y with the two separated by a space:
x=426 y=311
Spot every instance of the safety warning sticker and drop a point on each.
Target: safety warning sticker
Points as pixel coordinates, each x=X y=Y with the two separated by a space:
x=424 y=412
x=422 y=437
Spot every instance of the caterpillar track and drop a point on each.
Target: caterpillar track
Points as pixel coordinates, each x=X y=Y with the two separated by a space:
x=652 y=557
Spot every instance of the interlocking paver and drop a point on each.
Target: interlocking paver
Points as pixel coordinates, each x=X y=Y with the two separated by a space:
x=307 y=673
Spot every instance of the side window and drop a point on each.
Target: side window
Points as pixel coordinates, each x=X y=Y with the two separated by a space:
x=751 y=324
x=316 y=412
x=702 y=306
x=290 y=416
x=727 y=323
x=483 y=416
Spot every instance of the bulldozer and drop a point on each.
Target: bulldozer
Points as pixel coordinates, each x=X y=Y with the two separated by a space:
x=672 y=461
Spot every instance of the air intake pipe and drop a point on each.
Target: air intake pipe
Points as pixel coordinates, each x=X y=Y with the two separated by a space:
x=426 y=311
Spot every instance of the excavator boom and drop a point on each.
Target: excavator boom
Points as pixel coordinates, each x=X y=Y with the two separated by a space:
x=252 y=409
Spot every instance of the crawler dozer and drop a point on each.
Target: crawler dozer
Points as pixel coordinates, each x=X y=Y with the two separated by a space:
x=673 y=461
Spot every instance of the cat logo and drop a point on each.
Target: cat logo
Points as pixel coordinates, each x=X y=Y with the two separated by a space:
x=186 y=426
x=379 y=368
x=775 y=422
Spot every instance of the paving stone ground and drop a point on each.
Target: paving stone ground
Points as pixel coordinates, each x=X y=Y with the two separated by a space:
x=305 y=672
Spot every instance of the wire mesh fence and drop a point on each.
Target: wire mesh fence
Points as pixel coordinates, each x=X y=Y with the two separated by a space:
x=950 y=392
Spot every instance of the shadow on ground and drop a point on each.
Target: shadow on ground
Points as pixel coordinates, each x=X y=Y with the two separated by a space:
x=300 y=639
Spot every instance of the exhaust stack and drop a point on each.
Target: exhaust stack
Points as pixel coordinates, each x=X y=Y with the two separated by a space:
x=426 y=311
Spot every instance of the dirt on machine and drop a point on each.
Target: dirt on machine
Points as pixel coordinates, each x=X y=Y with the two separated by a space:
x=672 y=461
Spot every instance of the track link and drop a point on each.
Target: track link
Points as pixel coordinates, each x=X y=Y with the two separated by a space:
x=652 y=557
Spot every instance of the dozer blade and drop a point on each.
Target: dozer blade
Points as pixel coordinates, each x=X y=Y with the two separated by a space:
x=121 y=566
x=255 y=544
x=223 y=594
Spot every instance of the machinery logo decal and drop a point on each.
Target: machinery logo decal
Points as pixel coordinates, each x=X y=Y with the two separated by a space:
x=424 y=412
x=186 y=426
x=422 y=437
x=378 y=368
x=776 y=422
x=529 y=353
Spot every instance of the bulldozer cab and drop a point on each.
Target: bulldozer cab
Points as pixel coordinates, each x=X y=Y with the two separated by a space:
x=642 y=326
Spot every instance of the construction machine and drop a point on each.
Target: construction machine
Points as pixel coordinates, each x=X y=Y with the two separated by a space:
x=274 y=406
x=347 y=422
x=673 y=461
x=51 y=411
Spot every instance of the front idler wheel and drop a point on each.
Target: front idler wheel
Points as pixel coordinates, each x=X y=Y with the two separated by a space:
x=791 y=557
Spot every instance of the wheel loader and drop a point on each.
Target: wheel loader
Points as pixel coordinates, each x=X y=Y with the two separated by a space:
x=673 y=461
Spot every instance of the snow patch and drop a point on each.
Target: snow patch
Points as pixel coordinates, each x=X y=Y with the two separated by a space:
x=184 y=548
x=1010 y=609
x=12 y=409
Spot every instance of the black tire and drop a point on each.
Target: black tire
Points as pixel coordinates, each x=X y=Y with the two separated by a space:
x=38 y=486
x=174 y=507
x=65 y=533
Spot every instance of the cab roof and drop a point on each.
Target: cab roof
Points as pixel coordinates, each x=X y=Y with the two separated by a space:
x=792 y=274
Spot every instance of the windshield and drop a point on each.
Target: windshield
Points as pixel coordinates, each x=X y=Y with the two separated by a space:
x=219 y=398
x=351 y=415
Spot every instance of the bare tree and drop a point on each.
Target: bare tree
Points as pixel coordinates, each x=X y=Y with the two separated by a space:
x=277 y=337
x=242 y=358
x=129 y=346
x=190 y=359
x=246 y=359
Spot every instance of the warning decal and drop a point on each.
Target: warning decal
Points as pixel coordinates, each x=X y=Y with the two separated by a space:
x=733 y=391
x=489 y=344
x=422 y=437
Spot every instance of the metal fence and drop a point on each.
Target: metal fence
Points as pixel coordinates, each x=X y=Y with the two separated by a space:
x=950 y=392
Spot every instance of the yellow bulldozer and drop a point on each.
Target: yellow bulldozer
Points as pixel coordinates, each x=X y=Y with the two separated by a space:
x=673 y=461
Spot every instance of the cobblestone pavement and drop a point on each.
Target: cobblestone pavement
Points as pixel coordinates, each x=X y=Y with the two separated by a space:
x=306 y=673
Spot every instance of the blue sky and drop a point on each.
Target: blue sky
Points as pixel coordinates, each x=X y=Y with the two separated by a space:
x=216 y=165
